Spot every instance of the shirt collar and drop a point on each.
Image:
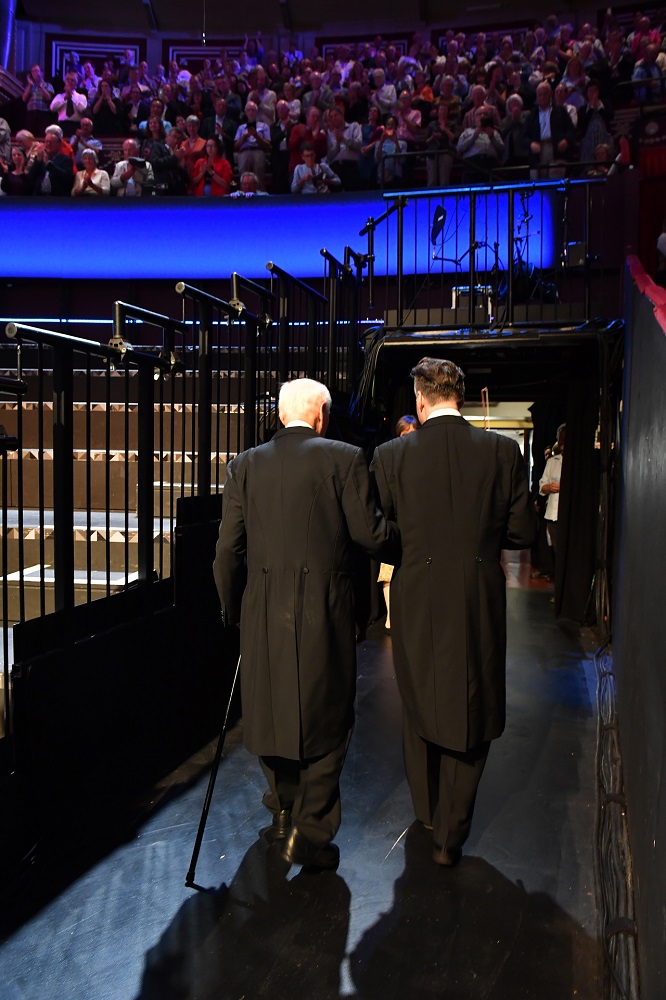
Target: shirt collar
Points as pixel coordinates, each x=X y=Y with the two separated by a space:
x=444 y=411
x=299 y=423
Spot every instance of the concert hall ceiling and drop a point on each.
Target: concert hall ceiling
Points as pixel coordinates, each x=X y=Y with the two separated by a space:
x=273 y=16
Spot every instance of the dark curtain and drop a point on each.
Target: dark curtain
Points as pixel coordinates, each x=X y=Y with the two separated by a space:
x=578 y=507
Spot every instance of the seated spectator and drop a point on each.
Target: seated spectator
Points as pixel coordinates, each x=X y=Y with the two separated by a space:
x=28 y=143
x=106 y=111
x=134 y=111
x=440 y=147
x=384 y=95
x=481 y=149
x=289 y=94
x=648 y=69
x=90 y=81
x=594 y=119
x=211 y=175
x=174 y=108
x=249 y=186
x=388 y=154
x=319 y=95
x=15 y=178
x=52 y=172
x=575 y=81
x=223 y=125
x=615 y=72
x=145 y=80
x=91 y=180
x=496 y=87
x=264 y=98
x=133 y=173
x=310 y=132
x=194 y=145
x=83 y=139
x=65 y=147
x=343 y=149
x=311 y=177
x=513 y=130
x=70 y=105
x=155 y=136
x=168 y=163
x=371 y=133
x=357 y=102
x=603 y=161
x=446 y=95
x=37 y=96
x=479 y=109
x=223 y=88
x=551 y=136
x=252 y=51
x=408 y=131
x=5 y=140
x=197 y=101
x=156 y=109
x=252 y=143
x=280 y=155
x=560 y=101
x=134 y=80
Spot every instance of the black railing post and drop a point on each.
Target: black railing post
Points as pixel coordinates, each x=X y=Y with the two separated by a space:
x=145 y=475
x=204 y=401
x=250 y=400
x=587 y=271
x=399 y=263
x=311 y=338
x=63 y=478
x=509 y=254
x=472 y=257
x=283 y=328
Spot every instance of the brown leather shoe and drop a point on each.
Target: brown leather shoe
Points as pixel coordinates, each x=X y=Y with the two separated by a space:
x=448 y=858
x=300 y=851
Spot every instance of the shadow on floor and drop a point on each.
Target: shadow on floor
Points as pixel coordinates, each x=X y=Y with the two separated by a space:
x=464 y=934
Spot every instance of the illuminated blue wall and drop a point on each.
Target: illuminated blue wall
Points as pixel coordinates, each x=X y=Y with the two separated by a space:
x=201 y=238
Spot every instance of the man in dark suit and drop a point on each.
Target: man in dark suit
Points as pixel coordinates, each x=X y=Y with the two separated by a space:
x=295 y=512
x=551 y=134
x=52 y=172
x=459 y=495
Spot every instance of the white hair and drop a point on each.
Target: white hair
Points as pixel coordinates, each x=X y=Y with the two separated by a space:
x=301 y=397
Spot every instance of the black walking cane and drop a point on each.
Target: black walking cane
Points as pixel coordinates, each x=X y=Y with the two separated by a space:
x=189 y=878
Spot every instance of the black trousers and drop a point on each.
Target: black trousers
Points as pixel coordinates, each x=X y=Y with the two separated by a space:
x=443 y=784
x=310 y=788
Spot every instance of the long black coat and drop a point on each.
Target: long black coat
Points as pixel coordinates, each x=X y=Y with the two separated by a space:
x=294 y=511
x=459 y=495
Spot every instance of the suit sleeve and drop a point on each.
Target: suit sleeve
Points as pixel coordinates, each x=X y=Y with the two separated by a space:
x=522 y=523
x=379 y=472
x=229 y=567
x=367 y=526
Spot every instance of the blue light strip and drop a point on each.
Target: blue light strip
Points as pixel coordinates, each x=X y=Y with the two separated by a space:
x=198 y=239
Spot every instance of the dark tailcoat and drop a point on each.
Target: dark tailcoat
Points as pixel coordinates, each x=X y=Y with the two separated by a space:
x=459 y=495
x=294 y=511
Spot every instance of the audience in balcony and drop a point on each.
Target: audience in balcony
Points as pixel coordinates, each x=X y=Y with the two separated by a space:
x=211 y=175
x=14 y=177
x=348 y=93
x=37 y=97
x=52 y=170
x=83 y=139
x=132 y=173
x=91 y=180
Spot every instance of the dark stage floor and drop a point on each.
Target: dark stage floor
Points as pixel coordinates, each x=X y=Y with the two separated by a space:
x=517 y=919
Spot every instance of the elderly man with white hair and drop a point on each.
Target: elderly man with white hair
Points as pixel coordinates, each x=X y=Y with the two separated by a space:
x=296 y=513
x=132 y=173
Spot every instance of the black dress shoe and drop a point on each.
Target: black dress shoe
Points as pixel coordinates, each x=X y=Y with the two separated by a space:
x=449 y=859
x=300 y=851
x=280 y=825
